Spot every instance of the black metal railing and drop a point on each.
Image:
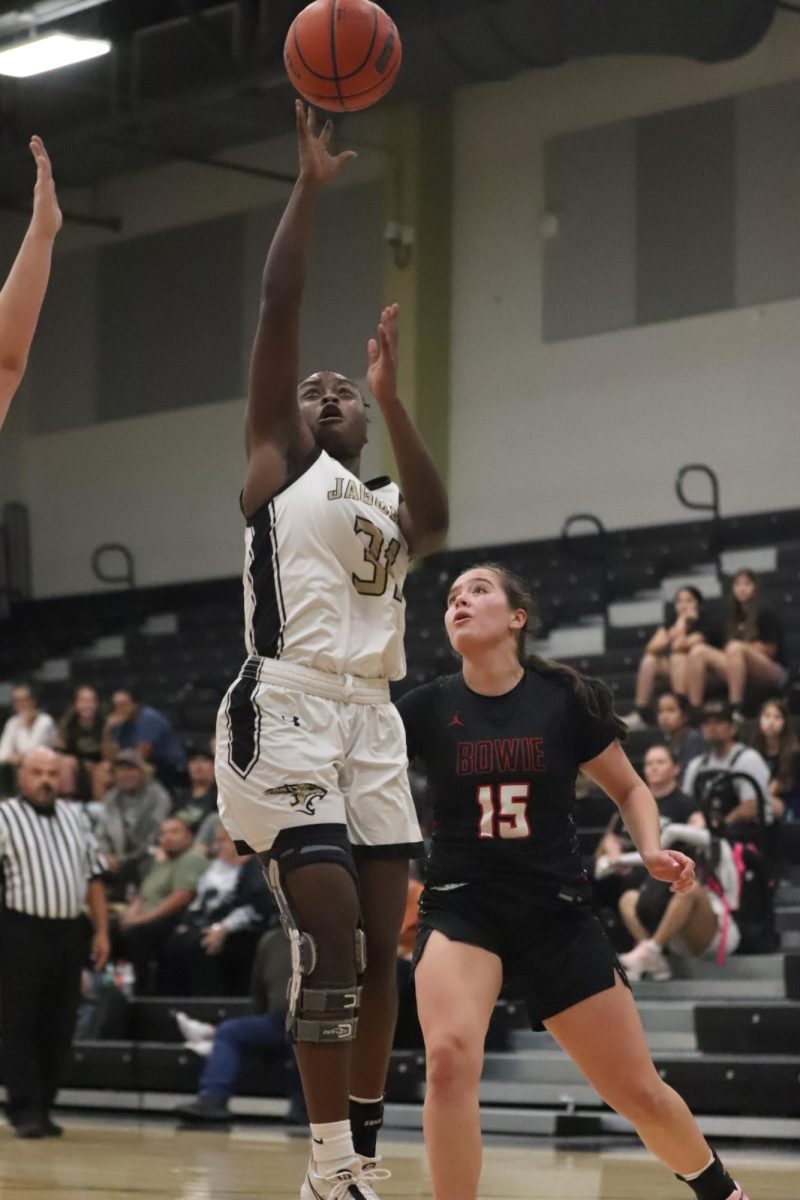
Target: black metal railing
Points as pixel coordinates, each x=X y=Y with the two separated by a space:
x=587 y=548
x=710 y=506
x=126 y=576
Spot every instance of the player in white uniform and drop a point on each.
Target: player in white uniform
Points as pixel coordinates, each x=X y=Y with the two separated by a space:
x=311 y=761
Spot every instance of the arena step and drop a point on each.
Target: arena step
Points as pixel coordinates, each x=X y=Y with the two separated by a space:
x=704 y=578
x=748 y=1028
x=737 y=1083
x=562 y=1120
x=148 y=1068
x=711 y=989
x=658 y=1040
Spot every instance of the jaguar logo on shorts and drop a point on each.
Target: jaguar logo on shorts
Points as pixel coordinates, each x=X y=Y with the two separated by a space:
x=303 y=795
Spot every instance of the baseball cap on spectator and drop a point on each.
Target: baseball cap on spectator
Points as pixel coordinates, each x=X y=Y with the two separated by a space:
x=129 y=758
x=716 y=708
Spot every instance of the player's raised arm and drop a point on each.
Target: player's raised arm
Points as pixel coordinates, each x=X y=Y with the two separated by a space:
x=424 y=513
x=24 y=290
x=276 y=437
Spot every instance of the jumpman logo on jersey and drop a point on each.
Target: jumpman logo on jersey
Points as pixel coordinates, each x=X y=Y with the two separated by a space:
x=304 y=795
x=456 y=719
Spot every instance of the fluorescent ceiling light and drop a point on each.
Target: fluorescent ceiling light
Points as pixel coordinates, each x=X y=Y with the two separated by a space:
x=48 y=53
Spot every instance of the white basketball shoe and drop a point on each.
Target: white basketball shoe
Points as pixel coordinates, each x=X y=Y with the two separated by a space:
x=352 y=1182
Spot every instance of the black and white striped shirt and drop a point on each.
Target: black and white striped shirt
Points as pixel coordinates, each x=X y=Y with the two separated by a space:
x=47 y=858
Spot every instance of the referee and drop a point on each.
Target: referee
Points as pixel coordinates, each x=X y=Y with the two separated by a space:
x=51 y=872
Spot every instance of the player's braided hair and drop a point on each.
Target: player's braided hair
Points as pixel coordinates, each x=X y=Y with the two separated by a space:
x=593 y=693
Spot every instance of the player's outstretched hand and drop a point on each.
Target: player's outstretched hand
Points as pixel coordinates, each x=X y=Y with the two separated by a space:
x=671 y=867
x=47 y=217
x=317 y=164
x=382 y=355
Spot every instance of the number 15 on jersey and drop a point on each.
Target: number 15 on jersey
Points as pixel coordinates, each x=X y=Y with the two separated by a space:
x=504 y=810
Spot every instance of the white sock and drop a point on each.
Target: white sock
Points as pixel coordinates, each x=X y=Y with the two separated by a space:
x=697 y=1174
x=332 y=1146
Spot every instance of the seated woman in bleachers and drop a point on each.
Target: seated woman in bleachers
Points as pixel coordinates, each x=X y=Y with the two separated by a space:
x=673 y=714
x=665 y=655
x=613 y=875
x=777 y=743
x=80 y=742
x=210 y=951
x=699 y=923
x=753 y=655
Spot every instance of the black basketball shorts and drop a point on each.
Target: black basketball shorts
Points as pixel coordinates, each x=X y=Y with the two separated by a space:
x=554 y=955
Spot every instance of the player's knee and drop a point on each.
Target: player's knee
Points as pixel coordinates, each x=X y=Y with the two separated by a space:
x=327 y=953
x=451 y=1063
x=697 y=653
x=335 y=948
x=643 y=1101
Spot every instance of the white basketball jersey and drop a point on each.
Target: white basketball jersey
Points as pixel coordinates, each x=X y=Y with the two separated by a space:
x=325 y=564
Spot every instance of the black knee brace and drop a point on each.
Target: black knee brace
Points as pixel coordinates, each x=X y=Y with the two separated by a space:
x=306 y=1019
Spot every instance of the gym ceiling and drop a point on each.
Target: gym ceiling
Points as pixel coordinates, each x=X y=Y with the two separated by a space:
x=190 y=78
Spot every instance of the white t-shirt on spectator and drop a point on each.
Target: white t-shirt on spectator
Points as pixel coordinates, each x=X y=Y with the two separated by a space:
x=739 y=758
x=18 y=738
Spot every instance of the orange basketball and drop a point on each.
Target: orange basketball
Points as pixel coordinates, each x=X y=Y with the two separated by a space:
x=342 y=55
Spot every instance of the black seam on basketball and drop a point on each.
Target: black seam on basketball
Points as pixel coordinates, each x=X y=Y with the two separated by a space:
x=384 y=83
x=337 y=76
x=334 y=63
x=372 y=41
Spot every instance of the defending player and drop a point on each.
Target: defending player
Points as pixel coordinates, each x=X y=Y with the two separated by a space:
x=506 y=894
x=310 y=751
x=23 y=291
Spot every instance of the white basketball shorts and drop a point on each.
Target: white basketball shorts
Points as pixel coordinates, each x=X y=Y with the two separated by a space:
x=300 y=747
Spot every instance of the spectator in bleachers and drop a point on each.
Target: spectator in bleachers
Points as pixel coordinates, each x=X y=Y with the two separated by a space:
x=777 y=743
x=210 y=950
x=197 y=803
x=28 y=729
x=262 y=1032
x=673 y=715
x=80 y=740
x=265 y=1033
x=129 y=820
x=698 y=923
x=738 y=798
x=614 y=875
x=166 y=892
x=665 y=655
x=753 y=655
x=136 y=726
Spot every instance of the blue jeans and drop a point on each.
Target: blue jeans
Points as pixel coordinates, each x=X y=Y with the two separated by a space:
x=265 y=1033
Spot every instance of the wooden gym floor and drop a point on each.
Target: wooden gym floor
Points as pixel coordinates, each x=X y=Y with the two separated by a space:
x=128 y=1160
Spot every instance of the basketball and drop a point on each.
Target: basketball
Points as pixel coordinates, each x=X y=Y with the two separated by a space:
x=342 y=55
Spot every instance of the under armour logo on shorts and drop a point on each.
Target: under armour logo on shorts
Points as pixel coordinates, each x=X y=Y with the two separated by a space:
x=303 y=795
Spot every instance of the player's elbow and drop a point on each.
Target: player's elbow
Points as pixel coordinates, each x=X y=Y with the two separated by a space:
x=12 y=368
x=279 y=295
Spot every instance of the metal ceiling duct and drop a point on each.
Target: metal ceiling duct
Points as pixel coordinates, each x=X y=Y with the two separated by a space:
x=192 y=77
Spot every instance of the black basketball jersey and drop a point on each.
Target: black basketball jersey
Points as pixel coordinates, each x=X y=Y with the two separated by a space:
x=502 y=775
